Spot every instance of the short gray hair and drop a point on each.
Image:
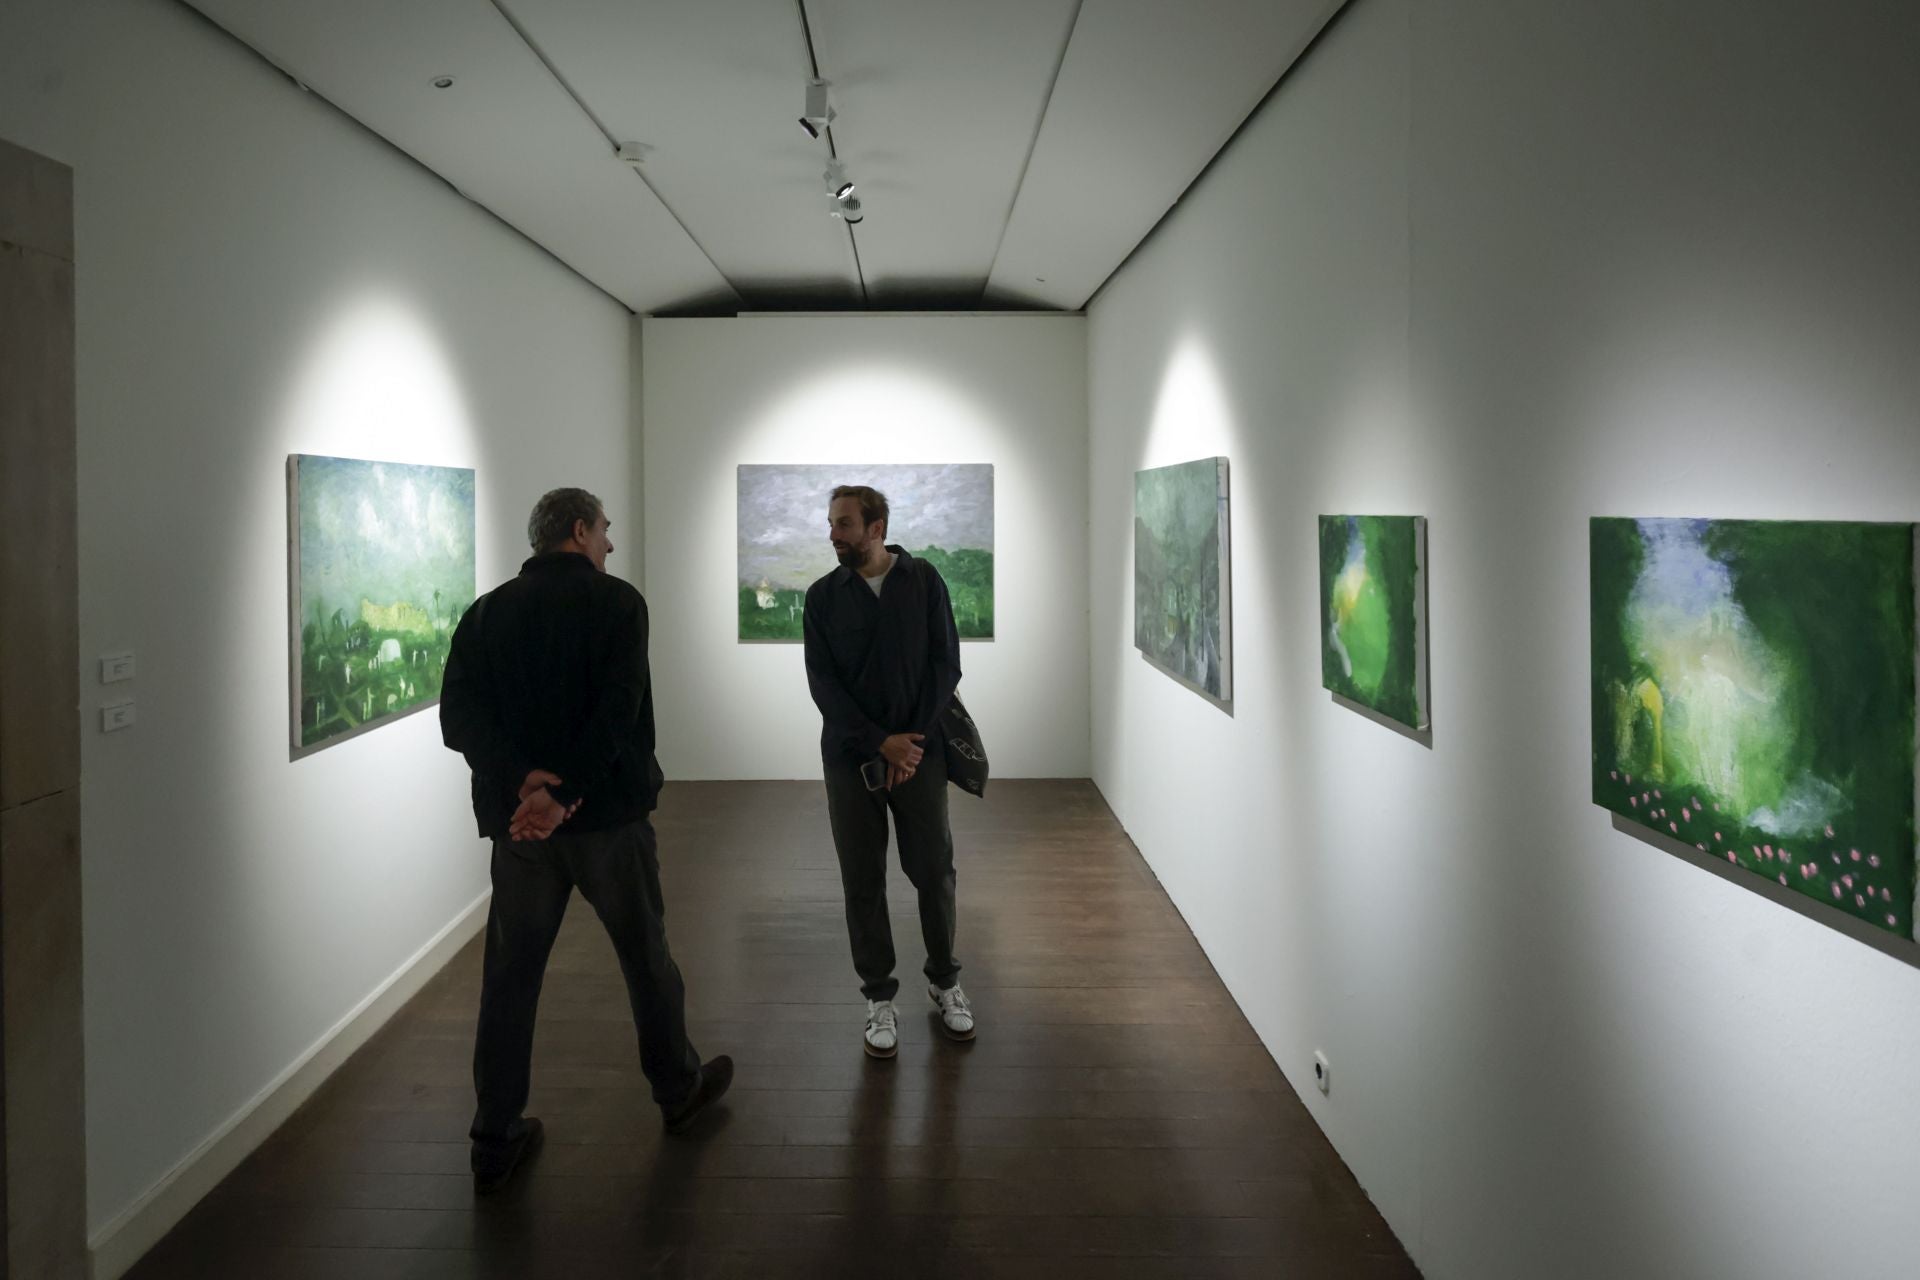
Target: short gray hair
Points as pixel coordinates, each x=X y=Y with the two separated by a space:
x=554 y=515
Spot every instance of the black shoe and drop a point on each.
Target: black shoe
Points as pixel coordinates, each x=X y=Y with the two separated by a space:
x=491 y=1171
x=715 y=1075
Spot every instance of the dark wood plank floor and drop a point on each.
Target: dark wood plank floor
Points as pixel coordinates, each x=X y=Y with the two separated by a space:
x=1116 y=1117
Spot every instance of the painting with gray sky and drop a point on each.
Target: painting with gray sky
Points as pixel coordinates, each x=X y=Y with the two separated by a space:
x=942 y=512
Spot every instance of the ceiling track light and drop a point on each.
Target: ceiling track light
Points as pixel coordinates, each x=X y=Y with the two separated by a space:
x=819 y=114
x=839 y=186
x=848 y=210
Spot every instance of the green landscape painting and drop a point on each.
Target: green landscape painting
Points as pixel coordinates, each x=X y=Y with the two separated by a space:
x=941 y=512
x=382 y=568
x=1753 y=696
x=1373 y=613
x=1182 y=599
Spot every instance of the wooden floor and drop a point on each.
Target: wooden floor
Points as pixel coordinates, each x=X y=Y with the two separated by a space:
x=1116 y=1117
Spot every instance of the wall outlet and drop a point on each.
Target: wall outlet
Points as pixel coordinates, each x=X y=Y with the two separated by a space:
x=1322 y=1072
x=115 y=667
x=117 y=716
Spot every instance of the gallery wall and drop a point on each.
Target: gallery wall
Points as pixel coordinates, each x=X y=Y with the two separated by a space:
x=1008 y=390
x=258 y=276
x=1508 y=267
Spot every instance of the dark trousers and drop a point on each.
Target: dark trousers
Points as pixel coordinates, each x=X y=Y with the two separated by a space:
x=618 y=872
x=859 y=819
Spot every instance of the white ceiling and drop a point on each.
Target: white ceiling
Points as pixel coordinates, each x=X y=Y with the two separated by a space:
x=1009 y=153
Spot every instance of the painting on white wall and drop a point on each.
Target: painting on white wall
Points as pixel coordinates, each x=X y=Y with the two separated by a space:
x=1373 y=613
x=1182 y=606
x=381 y=563
x=940 y=512
x=1753 y=687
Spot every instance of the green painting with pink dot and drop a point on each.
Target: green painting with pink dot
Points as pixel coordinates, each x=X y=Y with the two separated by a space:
x=1753 y=697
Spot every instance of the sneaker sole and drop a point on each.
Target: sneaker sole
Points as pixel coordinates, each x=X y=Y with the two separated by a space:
x=873 y=1052
x=951 y=1033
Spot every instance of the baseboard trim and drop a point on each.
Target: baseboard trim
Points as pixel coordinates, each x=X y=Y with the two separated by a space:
x=127 y=1238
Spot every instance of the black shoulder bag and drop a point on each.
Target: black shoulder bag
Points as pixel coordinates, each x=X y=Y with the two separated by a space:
x=966 y=755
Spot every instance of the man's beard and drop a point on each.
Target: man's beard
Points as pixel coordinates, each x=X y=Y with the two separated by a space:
x=851 y=556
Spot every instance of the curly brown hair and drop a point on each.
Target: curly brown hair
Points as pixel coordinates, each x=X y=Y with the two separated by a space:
x=873 y=503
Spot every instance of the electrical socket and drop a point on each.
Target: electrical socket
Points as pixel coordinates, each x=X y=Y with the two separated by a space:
x=1322 y=1071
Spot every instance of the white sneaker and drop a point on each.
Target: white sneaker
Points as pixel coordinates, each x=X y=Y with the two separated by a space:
x=956 y=1015
x=883 y=1029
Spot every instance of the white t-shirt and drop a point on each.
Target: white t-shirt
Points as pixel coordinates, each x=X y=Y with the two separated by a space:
x=876 y=583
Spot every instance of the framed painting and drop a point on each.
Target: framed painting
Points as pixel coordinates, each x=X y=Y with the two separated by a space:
x=1373 y=613
x=941 y=513
x=1182 y=585
x=1753 y=696
x=381 y=566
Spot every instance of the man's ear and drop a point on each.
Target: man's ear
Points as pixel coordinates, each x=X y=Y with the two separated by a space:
x=580 y=531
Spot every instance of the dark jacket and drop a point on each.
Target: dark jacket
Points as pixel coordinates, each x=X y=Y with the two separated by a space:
x=549 y=671
x=880 y=666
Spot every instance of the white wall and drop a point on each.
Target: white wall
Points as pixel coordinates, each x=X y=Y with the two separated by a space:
x=257 y=277
x=1509 y=266
x=1009 y=390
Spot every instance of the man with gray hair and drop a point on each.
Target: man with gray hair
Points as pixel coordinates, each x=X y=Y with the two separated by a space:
x=548 y=696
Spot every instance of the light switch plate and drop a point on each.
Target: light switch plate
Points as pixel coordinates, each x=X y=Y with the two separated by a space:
x=117 y=716
x=115 y=667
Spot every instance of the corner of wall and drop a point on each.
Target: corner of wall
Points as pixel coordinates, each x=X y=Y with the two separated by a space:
x=121 y=1243
x=637 y=451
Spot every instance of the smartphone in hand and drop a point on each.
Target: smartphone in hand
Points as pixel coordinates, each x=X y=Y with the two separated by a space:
x=874 y=773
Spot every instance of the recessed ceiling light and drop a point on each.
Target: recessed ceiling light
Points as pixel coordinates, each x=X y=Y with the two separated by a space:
x=443 y=82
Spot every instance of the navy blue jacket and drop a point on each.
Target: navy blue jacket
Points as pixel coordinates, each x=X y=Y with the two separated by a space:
x=549 y=671
x=880 y=666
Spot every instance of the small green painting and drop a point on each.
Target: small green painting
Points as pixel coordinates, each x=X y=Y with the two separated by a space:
x=1753 y=696
x=1373 y=613
x=940 y=512
x=1182 y=585
x=382 y=564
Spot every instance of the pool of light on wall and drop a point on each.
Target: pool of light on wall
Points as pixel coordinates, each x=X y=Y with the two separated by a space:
x=1190 y=415
x=375 y=381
